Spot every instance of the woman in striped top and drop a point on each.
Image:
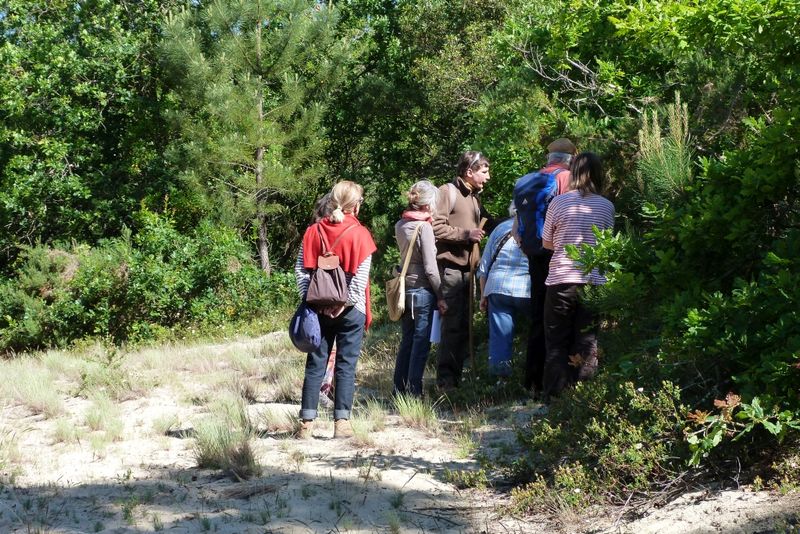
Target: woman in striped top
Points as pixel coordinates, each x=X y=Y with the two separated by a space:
x=345 y=325
x=570 y=328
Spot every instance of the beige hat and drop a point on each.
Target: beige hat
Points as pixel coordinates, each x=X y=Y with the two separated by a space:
x=562 y=145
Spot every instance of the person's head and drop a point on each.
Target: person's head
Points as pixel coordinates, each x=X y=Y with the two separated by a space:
x=562 y=151
x=586 y=173
x=346 y=197
x=422 y=196
x=322 y=209
x=473 y=168
x=512 y=209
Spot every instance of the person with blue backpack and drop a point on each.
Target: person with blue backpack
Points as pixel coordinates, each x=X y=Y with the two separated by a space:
x=532 y=196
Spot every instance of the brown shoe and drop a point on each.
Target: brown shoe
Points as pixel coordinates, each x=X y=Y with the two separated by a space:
x=342 y=429
x=304 y=431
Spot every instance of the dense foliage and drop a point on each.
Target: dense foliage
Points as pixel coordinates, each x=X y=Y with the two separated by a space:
x=241 y=113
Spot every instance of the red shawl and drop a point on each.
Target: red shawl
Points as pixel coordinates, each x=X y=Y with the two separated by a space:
x=352 y=249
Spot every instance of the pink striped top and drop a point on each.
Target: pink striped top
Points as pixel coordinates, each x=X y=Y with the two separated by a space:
x=569 y=220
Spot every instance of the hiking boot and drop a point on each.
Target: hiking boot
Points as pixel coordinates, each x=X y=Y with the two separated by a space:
x=342 y=429
x=304 y=432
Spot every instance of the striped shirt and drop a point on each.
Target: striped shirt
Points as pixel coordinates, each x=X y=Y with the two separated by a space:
x=508 y=275
x=356 y=285
x=569 y=221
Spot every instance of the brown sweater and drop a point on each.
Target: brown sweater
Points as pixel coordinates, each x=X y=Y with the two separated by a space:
x=451 y=225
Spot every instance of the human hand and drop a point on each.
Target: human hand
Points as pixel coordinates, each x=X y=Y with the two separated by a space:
x=476 y=234
x=442 y=305
x=484 y=304
x=333 y=311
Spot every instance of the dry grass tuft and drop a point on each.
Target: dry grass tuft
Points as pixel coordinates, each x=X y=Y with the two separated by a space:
x=417 y=412
x=223 y=439
x=65 y=431
x=104 y=415
x=28 y=383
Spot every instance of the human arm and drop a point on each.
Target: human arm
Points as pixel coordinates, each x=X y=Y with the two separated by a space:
x=427 y=249
x=549 y=227
x=484 y=299
x=301 y=275
x=358 y=284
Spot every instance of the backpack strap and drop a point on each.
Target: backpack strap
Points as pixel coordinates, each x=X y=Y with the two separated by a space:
x=503 y=241
x=325 y=248
x=336 y=242
x=556 y=172
x=451 y=196
x=410 y=250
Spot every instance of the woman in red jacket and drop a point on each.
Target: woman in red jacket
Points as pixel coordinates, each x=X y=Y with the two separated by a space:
x=344 y=326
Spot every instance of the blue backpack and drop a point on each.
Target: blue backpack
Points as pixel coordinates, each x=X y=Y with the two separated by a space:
x=304 y=330
x=532 y=194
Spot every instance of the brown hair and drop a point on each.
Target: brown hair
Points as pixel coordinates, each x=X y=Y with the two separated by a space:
x=471 y=159
x=586 y=173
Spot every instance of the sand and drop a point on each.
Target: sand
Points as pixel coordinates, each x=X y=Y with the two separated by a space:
x=148 y=481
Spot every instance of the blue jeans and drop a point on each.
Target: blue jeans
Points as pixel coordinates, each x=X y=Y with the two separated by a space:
x=348 y=332
x=415 y=343
x=503 y=311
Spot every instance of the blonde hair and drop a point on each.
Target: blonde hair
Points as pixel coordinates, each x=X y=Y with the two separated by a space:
x=423 y=193
x=345 y=196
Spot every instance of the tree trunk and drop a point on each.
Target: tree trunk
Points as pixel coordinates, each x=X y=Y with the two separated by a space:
x=261 y=216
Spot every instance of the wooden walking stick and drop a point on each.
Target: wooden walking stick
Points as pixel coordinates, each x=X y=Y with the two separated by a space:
x=473 y=253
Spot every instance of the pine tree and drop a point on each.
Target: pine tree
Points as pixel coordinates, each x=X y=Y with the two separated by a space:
x=251 y=79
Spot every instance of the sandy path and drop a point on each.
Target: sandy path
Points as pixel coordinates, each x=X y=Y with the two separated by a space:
x=147 y=481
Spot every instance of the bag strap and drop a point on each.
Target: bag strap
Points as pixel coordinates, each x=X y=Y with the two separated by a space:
x=322 y=240
x=451 y=196
x=500 y=246
x=325 y=248
x=410 y=250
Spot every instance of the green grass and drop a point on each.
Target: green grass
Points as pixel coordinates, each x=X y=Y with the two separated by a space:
x=165 y=423
x=277 y=420
x=104 y=415
x=9 y=451
x=223 y=439
x=368 y=418
x=65 y=431
x=416 y=412
x=28 y=383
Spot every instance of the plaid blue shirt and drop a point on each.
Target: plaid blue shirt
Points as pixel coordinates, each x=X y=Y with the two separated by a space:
x=509 y=272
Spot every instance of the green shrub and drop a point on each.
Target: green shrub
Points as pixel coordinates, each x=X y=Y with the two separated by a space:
x=463 y=479
x=140 y=286
x=604 y=438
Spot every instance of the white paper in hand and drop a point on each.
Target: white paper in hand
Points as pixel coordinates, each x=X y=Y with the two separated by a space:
x=436 y=327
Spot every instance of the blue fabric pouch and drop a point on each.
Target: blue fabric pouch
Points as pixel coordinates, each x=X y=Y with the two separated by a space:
x=304 y=330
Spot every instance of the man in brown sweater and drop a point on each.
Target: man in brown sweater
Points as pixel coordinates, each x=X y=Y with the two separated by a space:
x=456 y=228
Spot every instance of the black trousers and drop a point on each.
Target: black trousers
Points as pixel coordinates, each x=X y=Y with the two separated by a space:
x=538 y=267
x=571 y=339
x=454 y=345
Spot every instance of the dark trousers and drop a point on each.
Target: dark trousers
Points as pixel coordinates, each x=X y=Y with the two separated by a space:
x=571 y=337
x=347 y=330
x=538 y=267
x=453 y=350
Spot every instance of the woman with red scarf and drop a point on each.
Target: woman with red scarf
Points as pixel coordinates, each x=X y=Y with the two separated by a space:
x=423 y=287
x=344 y=326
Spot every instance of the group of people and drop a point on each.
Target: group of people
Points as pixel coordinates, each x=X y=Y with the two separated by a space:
x=441 y=229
